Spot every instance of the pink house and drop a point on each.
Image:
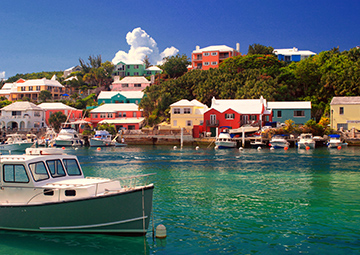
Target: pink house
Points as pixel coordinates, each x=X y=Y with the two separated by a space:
x=72 y=113
x=130 y=83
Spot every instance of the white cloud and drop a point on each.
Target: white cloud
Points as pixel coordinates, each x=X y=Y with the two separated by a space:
x=141 y=45
x=2 y=75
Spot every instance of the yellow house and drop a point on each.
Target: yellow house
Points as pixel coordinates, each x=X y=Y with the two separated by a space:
x=345 y=113
x=186 y=114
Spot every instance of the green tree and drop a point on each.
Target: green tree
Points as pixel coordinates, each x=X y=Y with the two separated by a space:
x=146 y=61
x=56 y=120
x=45 y=95
x=260 y=49
x=175 y=66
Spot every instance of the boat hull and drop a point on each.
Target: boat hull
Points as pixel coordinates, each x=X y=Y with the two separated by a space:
x=15 y=146
x=99 y=143
x=225 y=145
x=277 y=145
x=126 y=213
x=60 y=143
x=305 y=145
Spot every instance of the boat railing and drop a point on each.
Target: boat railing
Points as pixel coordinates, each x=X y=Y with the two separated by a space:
x=132 y=180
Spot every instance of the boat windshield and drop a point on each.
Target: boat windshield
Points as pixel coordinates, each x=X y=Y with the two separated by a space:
x=56 y=168
x=38 y=171
x=72 y=167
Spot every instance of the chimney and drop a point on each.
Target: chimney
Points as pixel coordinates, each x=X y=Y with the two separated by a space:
x=197 y=47
x=238 y=47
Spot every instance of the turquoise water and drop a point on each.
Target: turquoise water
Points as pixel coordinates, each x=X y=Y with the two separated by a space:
x=225 y=202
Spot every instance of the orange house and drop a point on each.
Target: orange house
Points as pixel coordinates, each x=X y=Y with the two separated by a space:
x=72 y=113
x=212 y=56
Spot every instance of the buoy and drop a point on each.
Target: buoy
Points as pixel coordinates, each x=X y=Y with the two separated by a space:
x=216 y=147
x=76 y=148
x=63 y=148
x=286 y=148
x=271 y=148
x=307 y=148
x=98 y=148
x=339 y=147
x=259 y=148
x=197 y=147
x=175 y=147
x=241 y=148
x=161 y=231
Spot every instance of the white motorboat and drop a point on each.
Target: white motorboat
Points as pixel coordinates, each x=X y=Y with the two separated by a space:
x=278 y=141
x=45 y=190
x=335 y=141
x=68 y=137
x=224 y=140
x=258 y=142
x=48 y=138
x=101 y=138
x=16 y=142
x=306 y=141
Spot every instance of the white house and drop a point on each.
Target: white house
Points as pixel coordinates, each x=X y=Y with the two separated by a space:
x=22 y=116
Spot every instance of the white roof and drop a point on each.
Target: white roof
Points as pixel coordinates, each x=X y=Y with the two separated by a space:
x=214 y=48
x=185 y=102
x=127 y=94
x=289 y=105
x=7 y=86
x=39 y=82
x=56 y=106
x=242 y=106
x=293 y=51
x=21 y=106
x=123 y=121
x=154 y=68
x=115 y=108
x=133 y=80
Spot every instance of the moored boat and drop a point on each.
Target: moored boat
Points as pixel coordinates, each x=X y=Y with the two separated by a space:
x=68 y=137
x=335 y=141
x=15 y=142
x=278 y=141
x=45 y=190
x=258 y=142
x=224 y=140
x=101 y=138
x=306 y=140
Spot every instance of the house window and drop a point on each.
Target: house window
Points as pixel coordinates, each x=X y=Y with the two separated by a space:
x=136 y=73
x=342 y=125
x=36 y=114
x=214 y=63
x=125 y=85
x=95 y=116
x=279 y=114
x=206 y=63
x=37 y=87
x=16 y=113
x=119 y=114
x=176 y=110
x=287 y=58
x=30 y=88
x=175 y=123
x=187 y=110
x=124 y=114
x=22 y=88
x=189 y=123
x=214 y=53
x=341 y=110
x=137 y=85
x=229 y=116
x=136 y=66
x=253 y=117
x=299 y=113
x=134 y=114
x=128 y=67
x=206 y=54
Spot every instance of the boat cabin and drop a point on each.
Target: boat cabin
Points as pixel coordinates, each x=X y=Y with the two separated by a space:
x=45 y=175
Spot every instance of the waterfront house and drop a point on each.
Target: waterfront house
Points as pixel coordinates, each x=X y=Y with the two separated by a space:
x=297 y=111
x=212 y=56
x=121 y=115
x=22 y=116
x=108 y=97
x=31 y=89
x=186 y=114
x=345 y=113
x=235 y=113
x=130 y=84
x=71 y=113
x=293 y=54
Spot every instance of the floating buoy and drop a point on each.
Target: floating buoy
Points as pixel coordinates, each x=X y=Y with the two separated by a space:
x=216 y=147
x=76 y=148
x=63 y=148
x=98 y=148
x=286 y=148
x=161 y=231
x=339 y=147
x=241 y=148
x=197 y=147
x=307 y=148
x=175 y=147
x=259 y=148
x=271 y=148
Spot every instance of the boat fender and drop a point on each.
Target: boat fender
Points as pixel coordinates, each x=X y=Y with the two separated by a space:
x=259 y=148
x=161 y=231
x=286 y=148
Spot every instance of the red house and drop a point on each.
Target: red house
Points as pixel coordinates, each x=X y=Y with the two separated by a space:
x=72 y=113
x=235 y=113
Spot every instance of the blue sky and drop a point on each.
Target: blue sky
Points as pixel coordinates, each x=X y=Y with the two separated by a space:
x=43 y=35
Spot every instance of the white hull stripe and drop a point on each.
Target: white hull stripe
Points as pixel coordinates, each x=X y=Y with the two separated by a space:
x=94 y=225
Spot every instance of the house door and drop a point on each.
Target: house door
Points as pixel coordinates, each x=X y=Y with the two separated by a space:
x=212 y=119
x=244 y=119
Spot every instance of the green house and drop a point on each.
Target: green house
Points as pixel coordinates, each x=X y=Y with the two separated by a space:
x=136 y=68
x=124 y=97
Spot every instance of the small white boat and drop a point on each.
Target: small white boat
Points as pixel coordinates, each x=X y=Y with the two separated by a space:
x=278 y=141
x=306 y=140
x=224 y=140
x=48 y=138
x=45 y=190
x=258 y=142
x=68 y=137
x=100 y=139
x=335 y=141
x=16 y=142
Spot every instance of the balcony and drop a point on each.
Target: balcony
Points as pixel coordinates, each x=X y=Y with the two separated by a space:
x=212 y=123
